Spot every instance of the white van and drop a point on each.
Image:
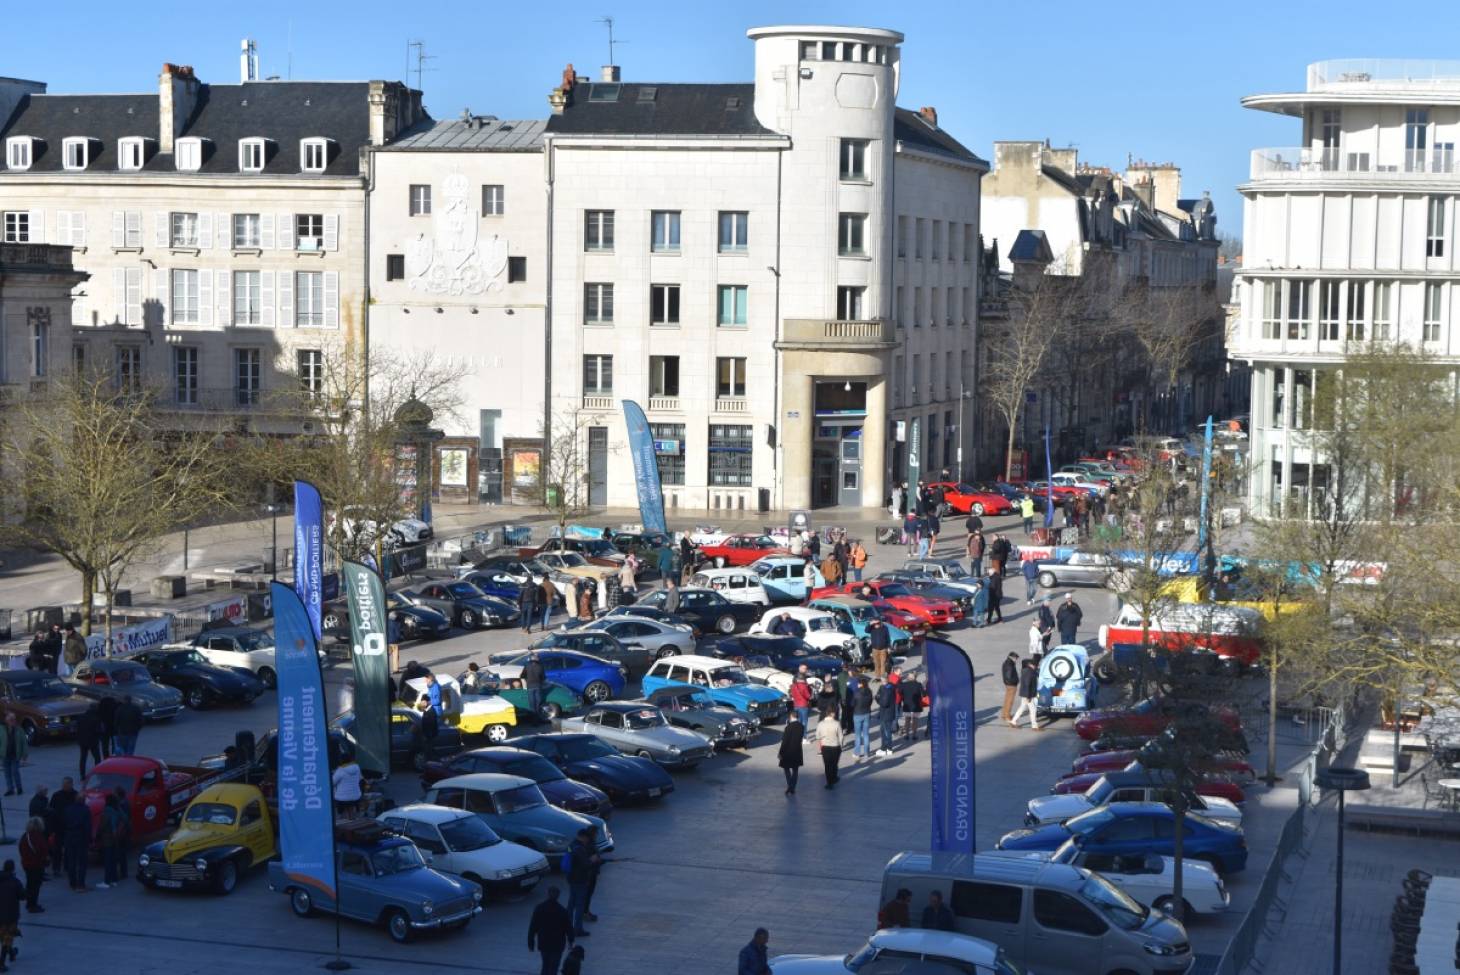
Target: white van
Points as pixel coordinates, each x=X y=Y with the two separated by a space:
x=740 y=585
x=1050 y=918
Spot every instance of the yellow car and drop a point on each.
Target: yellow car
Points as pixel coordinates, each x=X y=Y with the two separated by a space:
x=1233 y=591
x=472 y=714
x=226 y=830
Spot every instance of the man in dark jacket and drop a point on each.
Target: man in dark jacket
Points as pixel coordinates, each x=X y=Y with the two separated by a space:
x=11 y=894
x=106 y=709
x=886 y=716
x=534 y=675
x=844 y=688
x=1068 y=618
x=862 y=719
x=527 y=604
x=1031 y=581
x=129 y=726
x=549 y=932
x=994 y=586
x=1028 y=692
x=88 y=736
x=582 y=859
x=785 y=626
x=936 y=916
x=1010 y=675
x=753 y=957
x=910 y=690
x=671 y=597
x=880 y=642
x=76 y=841
x=1046 y=623
x=61 y=800
x=897 y=913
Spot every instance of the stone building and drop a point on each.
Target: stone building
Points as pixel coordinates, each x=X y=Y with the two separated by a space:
x=36 y=285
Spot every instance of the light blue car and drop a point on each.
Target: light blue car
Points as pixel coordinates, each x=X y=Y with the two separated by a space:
x=517 y=810
x=858 y=614
x=1066 y=684
x=724 y=680
x=783 y=577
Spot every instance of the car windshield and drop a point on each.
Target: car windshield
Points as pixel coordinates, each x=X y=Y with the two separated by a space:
x=728 y=676
x=129 y=675
x=1099 y=790
x=536 y=768
x=584 y=749
x=597 y=547
x=468 y=833
x=572 y=560
x=463 y=590
x=188 y=657
x=1092 y=820
x=763 y=569
x=254 y=640
x=895 y=589
x=396 y=859
x=211 y=813
x=1113 y=902
x=821 y=623
x=108 y=782
x=864 y=614
x=35 y=690
x=516 y=800
x=642 y=720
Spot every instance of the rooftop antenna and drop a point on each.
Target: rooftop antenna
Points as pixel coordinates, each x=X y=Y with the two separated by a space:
x=421 y=57
x=289 y=66
x=248 y=67
x=607 y=21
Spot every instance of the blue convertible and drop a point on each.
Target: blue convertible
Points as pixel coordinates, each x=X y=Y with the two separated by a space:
x=1138 y=828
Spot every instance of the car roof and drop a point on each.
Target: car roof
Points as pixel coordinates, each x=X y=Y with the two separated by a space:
x=484 y=781
x=1140 y=809
x=229 y=793
x=504 y=752
x=621 y=707
x=426 y=812
x=964 y=947
x=728 y=570
x=696 y=660
x=1012 y=870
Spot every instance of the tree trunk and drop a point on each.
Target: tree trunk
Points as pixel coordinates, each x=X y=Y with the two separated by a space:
x=110 y=595
x=88 y=593
x=1176 y=889
x=1272 y=778
x=1009 y=450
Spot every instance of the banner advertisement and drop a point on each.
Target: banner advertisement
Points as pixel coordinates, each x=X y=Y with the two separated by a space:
x=306 y=807
x=1048 y=477
x=131 y=639
x=231 y=609
x=951 y=724
x=368 y=644
x=309 y=552
x=646 y=468
x=914 y=453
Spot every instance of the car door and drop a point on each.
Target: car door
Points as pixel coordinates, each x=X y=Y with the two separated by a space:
x=428 y=840
x=988 y=910
x=1066 y=937
x=222 y=651
x=254 y=832
x=1124 y=835
x=402 y=733
x=610 y=728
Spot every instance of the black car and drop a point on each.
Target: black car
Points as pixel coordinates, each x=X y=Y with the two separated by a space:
x=707 y=609
x=463 y=603
x=786 y=653
x=560 y=791
x=412 y=621
x=407 y=748
x=203 y=685
x=626 y=778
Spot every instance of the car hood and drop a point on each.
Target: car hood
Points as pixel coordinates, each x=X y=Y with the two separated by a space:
x=505 y=855
x=561 y=791
x=551 y=819
x=59 y=706
x=223 y=678
x=1034 y=838
x=423 y=614
x=666 y=736
x=1057 y=809
x=1164 y=929
x=194 y=838
x=428 y=883
x=747 y=692
x=626 y=771
x=153 y=693
x=1219 y=808
x=475 y=704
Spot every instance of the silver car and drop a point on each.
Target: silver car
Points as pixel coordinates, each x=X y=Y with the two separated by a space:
x=639 y=728
x=660 y=639
x=1080 y=569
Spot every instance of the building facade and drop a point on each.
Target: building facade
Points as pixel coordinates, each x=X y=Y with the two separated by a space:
x=1348 y=239
x=36 y=283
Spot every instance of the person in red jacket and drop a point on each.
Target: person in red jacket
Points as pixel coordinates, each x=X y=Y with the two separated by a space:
x=35 y=853
x=801 y=698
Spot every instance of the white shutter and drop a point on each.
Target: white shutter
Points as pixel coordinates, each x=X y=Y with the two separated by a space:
x=63 y=227
x=119 y=228
x=160 y=281
x=134 y=228
x=331 y=232
x=266 y=297
x=266 y=231
x=220 y=292
x=205 y=297
x=161 y=228
x=37 y=226
x=286 y=231
x=119 y=293
x=134 y=296
x=331 y=299
x=223 y=231
x=78 y=228
x=286 y=299
x=205 y=231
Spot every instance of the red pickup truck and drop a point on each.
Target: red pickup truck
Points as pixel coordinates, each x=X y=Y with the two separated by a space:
x=156 y=793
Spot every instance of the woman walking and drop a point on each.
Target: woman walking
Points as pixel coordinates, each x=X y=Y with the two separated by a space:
x=829 y=739
x=790 y=757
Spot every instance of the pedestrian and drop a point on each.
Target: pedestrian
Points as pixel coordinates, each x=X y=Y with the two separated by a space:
x=1068 y=618
x=895 y=679
x=35 y=853
x=589 y=837
x=842 y=552
x=829 y=740
x=61 y=800
x=129 y=726
x=549 y=932
x=1009 y=672
x=686 y=552
x=14 y=747
x=671 y=597
x=627 y=581
x=11 y=892
x=1026 y=512
x=665 y=558
x=346 y=781
x=975 y=549
x=106 y=709
x=896 y=913
x=994 y=583
x=548 y=596
x=921 y=530
x=801 y=698
x=534 y=676
x=108 y=826
x=1046 y=625
x=789 y=757
x=527 y=604
x=1028 y=682
x=40 y=802
x=935 y=525
x=585 y=600
x=886 y=717
x=75 y=652
x=582 y=858
x=1036 y=641
x=88 y=736
x=844 y=687
x=124 y=837
x=573 y=964
x=753 y=960
x=910 y=694
x=896 y=507
x=859 y=560
x=936 y=916
x=978 y=616
x=433 y=694
x=862 y=699
x=1030 y=569
x=827 y=702
x=570 y=604
x=76 y=841
x=813 y=546
x=427 y=729
x=1000 y=553
x=879 y=641
x=831 y=570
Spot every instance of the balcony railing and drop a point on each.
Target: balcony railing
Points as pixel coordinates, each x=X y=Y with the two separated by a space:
x=597 y=401
x=1382 y=73
x=664 y=404
x=213 y=400
x=837 y=334
x=1310 y=162
x=731 y=404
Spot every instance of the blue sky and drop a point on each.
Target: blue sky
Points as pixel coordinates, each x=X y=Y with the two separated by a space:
x=1156 y=80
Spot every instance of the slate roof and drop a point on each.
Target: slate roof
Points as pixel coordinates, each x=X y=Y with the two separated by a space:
x=908 y=127
x=484 y=134
x=1031 y=245
x=673 y=109
x=283 y=112
x=1063 y=178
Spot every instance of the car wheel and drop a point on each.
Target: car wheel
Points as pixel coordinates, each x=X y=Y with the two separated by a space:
x=31 y=732
x=597 y=691
x=1105 y=669
x=496 y=733
x=644 y=753
x=976 y=508
x=398 y=926
x=669 y=651
x=227 y=878
x=720 y=562
x=469 y=619
x=725 y=624
x=1047 y=580
x=270 y=679
x=1166 y=903
x=300 y=902
x=330 y=622
x=196 y=699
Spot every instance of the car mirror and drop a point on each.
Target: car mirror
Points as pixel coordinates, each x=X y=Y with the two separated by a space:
x=1153 y=863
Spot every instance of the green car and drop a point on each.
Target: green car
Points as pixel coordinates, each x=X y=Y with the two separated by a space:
x=558 y=702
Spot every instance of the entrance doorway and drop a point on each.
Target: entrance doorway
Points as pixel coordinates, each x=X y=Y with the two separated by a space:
x=598 y=466
x=836 y=448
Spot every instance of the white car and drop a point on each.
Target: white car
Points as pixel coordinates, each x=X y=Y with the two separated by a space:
x=406 y=531
x=459 y=842
x=899 y=950
x=1066 y=479
x=474 y=714
x=707 y=535
x=737 y=585
x=1043 y=810
x=1149 y=878
x=779 y=679
x=822 y=631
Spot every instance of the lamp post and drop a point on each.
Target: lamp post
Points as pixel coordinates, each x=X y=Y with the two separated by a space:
x=1340 y=780
x=963 y=395
x=273 y=509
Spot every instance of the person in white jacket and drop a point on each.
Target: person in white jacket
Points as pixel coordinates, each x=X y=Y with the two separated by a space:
x=829 y=740
x=346 y=782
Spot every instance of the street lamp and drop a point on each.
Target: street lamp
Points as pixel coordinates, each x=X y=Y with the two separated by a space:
x=272 y=509
x=1340 y=780
x=963 y=397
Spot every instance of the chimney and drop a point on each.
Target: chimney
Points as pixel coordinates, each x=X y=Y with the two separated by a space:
x=609 y=73
x=248 y=61
x=930 y=115
x=177 y=90
x=385 y=112
x=562 y=96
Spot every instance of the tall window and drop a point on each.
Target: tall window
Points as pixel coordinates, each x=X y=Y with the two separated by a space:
x=669 y=451
x=17 y=226
x=18 y=153
x=1357 y=311
x=40 y=344
x=184 y=297
x=598 y=230
x=247 y=376
x=310 y=365
x=664 y=375
x=187 y=155
x=734 y=231
x=854 y=159
x=898 y=311
x=494 y=200
x=1434 y=310
x=730 y=376
x=75 y=153
x=1435 y=227
x=129 y=368
x=309 y=231
x=420 y=200
x=1328 y=319
x=918 y=238
x=851 y=235
x=597 y=375
x=730 y=455
x=1331 y=132
x=936 y=245
x=315 y=155
x=1300 y=308
x=598 y=304
x=246 y=230
x=309 y=299
x=250 y=155
x=1383 y=309
x=664 y=231
x=902 y=236
x=184 y=230
x=917 y=375
x=1416 y=139
x=919 y=308
x=246 y=302
x=733 y=301
x=663 y=304
x=849 y=303
x=185 y=374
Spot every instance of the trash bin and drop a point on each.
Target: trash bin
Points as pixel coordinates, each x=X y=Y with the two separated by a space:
x=554 y=494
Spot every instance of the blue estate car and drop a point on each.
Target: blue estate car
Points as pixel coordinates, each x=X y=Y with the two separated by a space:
x=1138 y=828
x=726 y=682
x=517 y=810
x=783 y=577
x=589 y=677
x=626 y=778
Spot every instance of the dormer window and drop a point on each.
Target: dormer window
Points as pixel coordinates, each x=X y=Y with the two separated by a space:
x=250 y=155
x=75 y=152
x=131 y=153
x=313 y=155
x=187 y=153
x=19 y=151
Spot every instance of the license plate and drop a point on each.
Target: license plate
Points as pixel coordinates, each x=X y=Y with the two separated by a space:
x=173 y=884
x=653 y=793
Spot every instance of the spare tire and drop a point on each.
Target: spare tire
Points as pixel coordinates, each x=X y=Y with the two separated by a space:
x=1105 y=669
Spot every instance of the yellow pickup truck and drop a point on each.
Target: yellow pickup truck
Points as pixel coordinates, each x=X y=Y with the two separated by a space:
x=226 y=830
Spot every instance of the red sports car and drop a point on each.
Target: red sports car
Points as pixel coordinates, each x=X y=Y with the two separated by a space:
x=1214 y=785
x=1148 y=717
x=920 y=609
x=743 y=549
x=967 y=499
x=1040 y=489
x=1117 y=760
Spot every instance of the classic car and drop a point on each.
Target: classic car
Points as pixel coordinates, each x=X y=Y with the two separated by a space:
x=497 y=583
x=1124 y=787
x=557 y=700
x=597 y=641
x=924 y=609
x=930 y=588
x=1040 y=491
x=1233 y=589
x=516 y=808
x=858 y=614
x=203 y=685
x=464 y=604
x=407 y=747
x=480 y=714
x=1150 y=716
x=598 y=551
x=1113 y=761
x=624 y=778
x=355 y=524
x=592 y=678
x=1013 y=493
x=818 y=628
x=239 y=646
x=642 y=611
x=739 y=585
x=44 y=704
x=914 y=951
x=966 y=499
x=760 y=670
x=1208 y=784
x=641 y=544
x=693 y=708
x=1149 y=878
x=726 y=683
x=1078 y=569
x=659 y=639
x=1138 y=828
x=741 y=549
x=225 y=831
x=120 y=679
x=1226 y=630
x=783 y=577
x=383 y=880
x=706 y=609
x=566 y=566
x=509 y=568
x=412 y=621
x=561 y=791
x=1080 y=482
x=639 y=728
x=950 y=572
x=156 y=792
x=1066 y=684
x=458 y=842
x=787 y=653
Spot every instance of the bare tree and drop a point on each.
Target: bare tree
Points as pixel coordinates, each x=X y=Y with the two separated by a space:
x=1167 y=323
x=564 y=489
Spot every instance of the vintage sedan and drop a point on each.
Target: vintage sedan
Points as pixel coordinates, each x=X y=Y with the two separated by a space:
x=693 y=708
x=739 y=584
x=1115 y=760
x=557 y=700
x=1214 y=784
x=481 y=714
x=639 y=728
x=458 y=842
x=464 y=604
x=1138 y=828
x=592 y=641
x=966 y=499
x=1079 y=569
x=726 y=682
x=760 y=670
x=924 y=609
x=706 y=609
x=818 y=628
x=516 y=808
x=561 y=791
x=625 y=778
x=226 y=830
x=741 y=549
x=239 y=646
x=783 y=577
x=1148 y=717
x=949 y=572
x=1149 y=878
x=120 y=679
x=203 y=685
x=931 y=588
x=787 y=653
x=858 y=614
x=652 y=613
x=661 y=639
x=382 y=880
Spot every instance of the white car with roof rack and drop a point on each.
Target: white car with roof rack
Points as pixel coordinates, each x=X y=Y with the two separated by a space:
x=457 y=841
x=823 y=631
x=739 y=585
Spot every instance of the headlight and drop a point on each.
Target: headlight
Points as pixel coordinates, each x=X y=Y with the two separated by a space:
x=476 y=895
x=201 y=865
x=502 y=875
x=143 y=860
x=555 y=843
x=427 y=907
x=674 y=749
x=1155 y=948
x=52 y=721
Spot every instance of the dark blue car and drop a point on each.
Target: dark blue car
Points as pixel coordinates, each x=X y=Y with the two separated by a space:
x=495 y=583
x=589 y=677
x=786 y=653
x=1138 y=828
x=582 y=757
